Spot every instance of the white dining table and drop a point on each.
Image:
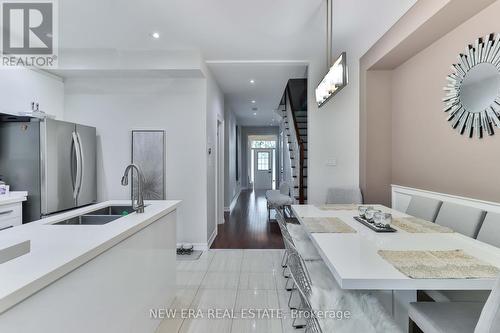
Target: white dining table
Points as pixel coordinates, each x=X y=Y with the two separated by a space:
x=355 y=263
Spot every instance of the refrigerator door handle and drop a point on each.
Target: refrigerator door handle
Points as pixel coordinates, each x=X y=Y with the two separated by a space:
x=78 y=165
x=82 y=163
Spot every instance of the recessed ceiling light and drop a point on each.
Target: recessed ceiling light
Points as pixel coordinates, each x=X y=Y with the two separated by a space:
x=253 y=101
x=155 y=35
x=252 y=81
x=255 y=113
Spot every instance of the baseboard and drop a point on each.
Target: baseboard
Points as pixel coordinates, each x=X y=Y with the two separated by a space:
x=211 y=239
x=233 y=202
x=203 y=246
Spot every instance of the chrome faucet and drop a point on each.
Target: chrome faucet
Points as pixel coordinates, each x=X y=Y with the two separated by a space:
x=139 y=207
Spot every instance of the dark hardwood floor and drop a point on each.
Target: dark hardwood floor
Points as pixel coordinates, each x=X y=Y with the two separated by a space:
x=247 y=227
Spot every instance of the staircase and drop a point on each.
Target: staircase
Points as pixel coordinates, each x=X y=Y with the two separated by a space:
x=293 y=109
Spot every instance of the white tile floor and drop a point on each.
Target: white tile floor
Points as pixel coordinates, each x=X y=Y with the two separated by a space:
x=232 y=280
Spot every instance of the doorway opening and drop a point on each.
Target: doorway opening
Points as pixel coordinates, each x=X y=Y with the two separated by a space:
x=263 y=162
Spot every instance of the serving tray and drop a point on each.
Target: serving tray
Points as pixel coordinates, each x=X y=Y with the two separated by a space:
x=373 y=226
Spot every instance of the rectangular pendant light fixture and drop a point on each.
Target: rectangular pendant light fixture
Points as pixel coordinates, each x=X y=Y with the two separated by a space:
x=334 y=81
x=337 y=76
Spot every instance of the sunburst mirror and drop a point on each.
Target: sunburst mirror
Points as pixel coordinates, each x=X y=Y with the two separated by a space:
x=472 y=98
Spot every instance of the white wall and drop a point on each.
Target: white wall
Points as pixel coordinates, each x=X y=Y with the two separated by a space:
x=214 y=113
x=20 y=86
x=116 y=106
x=232 y=186
x=334 y=128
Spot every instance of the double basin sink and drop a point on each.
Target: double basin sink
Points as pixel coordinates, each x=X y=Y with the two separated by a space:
x=96 y=217
x=99 y=217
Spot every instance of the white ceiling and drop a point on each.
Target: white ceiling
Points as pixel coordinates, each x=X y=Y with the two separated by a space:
x=360 y=23
x=270 y=81
x=280 y=34
x=221 y=29
x=277 y=31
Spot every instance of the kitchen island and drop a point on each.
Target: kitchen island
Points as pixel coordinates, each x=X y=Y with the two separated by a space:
x=90 y=277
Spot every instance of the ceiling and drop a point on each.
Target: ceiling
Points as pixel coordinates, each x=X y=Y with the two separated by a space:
x=268 y=41
x=224 y=31
x=270 y=81
x=220 y=29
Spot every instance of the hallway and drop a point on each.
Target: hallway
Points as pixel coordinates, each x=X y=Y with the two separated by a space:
x=246 y=227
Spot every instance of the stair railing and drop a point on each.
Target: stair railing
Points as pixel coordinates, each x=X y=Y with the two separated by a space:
x=301 y=151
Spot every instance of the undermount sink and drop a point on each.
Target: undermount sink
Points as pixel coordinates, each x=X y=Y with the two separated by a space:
x=113 y=210
x=14 y=251
x=89 y=220
x=99 y=216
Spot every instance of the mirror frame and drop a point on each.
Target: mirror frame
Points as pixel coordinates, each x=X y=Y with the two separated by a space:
x=484 y=50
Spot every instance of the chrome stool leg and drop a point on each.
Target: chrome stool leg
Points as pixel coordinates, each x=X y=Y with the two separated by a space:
x=299 y=326
x=287 y=288
x=284 y=259
x=283 y=272
x=294 y=322
x=290 y=306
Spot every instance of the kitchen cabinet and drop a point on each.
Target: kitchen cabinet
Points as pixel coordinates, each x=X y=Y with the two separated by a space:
x=11 y=209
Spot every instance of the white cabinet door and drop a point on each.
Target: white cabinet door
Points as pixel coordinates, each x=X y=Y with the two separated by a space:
x=11 y=215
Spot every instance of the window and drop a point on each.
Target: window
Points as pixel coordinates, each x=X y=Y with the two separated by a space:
x=264 y=144
x=263 y=161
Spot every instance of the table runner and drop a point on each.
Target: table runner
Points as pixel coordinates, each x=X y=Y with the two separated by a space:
x=326 y=225
x=418 y=226
x=453 y=264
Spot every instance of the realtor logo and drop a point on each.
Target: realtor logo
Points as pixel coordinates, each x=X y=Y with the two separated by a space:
x=28 y=33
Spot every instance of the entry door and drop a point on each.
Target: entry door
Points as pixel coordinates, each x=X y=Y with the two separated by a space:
x=263 y=168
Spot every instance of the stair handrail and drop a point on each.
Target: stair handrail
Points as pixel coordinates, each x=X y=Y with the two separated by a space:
x=300 y=143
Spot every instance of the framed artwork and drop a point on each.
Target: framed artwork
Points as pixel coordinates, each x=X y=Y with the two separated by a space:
x=148 y=152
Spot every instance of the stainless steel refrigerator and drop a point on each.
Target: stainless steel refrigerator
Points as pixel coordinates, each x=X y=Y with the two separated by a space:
x=55 y=161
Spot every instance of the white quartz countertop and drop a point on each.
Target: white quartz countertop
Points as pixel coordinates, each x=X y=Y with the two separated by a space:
x=13 y=197
x=58 y=249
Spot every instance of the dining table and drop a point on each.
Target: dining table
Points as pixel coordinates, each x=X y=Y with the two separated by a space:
x=355 y=261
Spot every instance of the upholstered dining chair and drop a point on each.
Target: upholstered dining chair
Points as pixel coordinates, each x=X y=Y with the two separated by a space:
x=490 y=229
x=467 y=221
x=424 y=208
x=463 y=219
x=458 y=317
x=341 y=195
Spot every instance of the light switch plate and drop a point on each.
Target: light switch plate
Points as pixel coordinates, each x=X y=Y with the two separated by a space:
x=331 y=162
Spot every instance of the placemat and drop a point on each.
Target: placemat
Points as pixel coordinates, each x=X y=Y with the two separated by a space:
x=339 y=207
x=454 y=264
x=415 y=225
x=327 y=225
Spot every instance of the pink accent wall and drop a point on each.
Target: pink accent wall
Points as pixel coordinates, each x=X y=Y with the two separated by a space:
x=406 y=139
